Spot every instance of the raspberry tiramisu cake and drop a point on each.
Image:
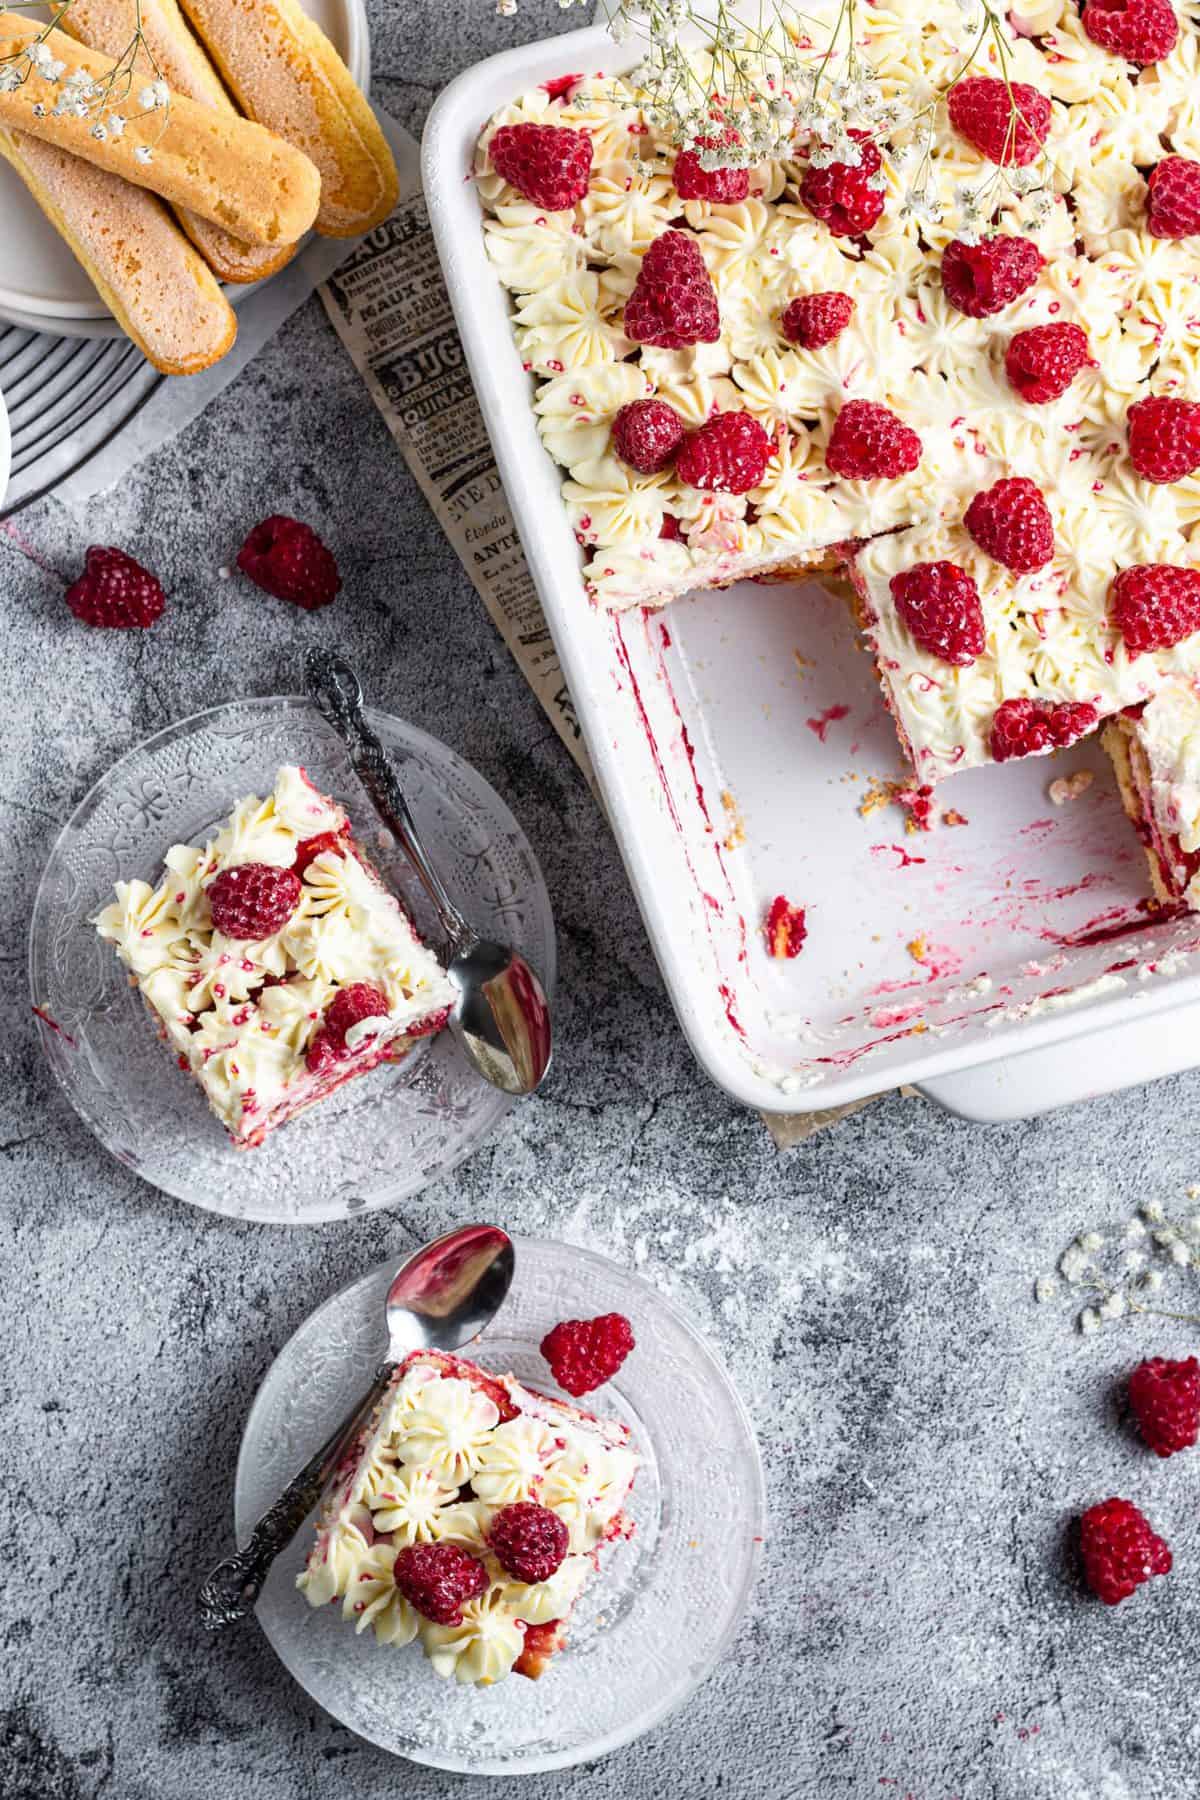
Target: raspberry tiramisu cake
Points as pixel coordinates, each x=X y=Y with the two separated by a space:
x=274 y=961
x=947 y=331
x=468 y=1518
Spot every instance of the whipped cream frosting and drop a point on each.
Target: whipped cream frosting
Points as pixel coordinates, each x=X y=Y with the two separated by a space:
x=437 y=1464
x=1138 y=298
x=242 y=1015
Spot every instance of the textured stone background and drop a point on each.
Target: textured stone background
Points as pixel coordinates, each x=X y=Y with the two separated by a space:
x=928 y=1432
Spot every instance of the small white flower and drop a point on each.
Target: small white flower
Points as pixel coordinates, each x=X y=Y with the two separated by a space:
x=1113 y=1305
x=1180 y=1254
x=39 y=111
x=9 y=78
x=148 y=98
x=116 y=125
x=1132 y=1261
x=1153 y=1211
x=506 y=9
x=1152 y=1280
x=78 y=81
x=1074 y=1264
x=99 y=131
x=1091 y=1241
x=1045 y=1287
x=38 y=54
x=143 y=154
x=1165 y=1236
x=1134 y=1231
x=1089 y=1320
x=52 y=71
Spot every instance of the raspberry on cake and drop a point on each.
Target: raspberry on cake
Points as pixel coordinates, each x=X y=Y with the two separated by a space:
x=274 y=961
x=468 y=1517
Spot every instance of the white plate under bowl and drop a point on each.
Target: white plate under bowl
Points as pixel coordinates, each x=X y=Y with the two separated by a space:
x=659 y=1614
x=43 y=288
x=377 y=1139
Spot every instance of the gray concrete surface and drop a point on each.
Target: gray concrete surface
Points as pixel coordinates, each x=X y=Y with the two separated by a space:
x=928 y=1432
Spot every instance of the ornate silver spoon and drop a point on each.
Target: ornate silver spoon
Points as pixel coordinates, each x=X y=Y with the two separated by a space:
x=438 y=1300
x=501 y=1016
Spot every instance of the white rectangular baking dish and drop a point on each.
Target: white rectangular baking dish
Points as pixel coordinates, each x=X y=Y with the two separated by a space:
x=929 y=956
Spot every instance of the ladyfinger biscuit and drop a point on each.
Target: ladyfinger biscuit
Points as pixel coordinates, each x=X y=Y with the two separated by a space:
x=223 y=167
x=109 y=26
x=284 y=72
x=161 y=293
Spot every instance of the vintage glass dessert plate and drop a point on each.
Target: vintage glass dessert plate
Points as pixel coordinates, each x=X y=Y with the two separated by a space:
x=383 y=1135
x=651 y=1623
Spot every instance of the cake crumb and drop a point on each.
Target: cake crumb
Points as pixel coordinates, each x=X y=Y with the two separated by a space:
x=952 y=816
x=1069 y=787
x=784 y=927
x=918 y=948
x=735 y=837
x=802 y=663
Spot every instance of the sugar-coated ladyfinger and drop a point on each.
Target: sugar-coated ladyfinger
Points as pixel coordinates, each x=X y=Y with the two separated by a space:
x=159 y=289
x=223 y=167
x=284 y=72
x=109 y=26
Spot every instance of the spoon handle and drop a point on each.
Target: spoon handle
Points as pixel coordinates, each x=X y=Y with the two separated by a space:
x=336 y=692
x=232 y=1589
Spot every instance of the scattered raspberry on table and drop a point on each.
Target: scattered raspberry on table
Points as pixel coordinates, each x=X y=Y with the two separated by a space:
x=1119 y=1550
x=1164 y=1398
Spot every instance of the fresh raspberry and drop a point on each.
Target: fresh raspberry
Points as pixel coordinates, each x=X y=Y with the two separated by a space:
x=437 y=1579
x=940 y=604
x=869 y=441
x=1011 y=522
x=723 y=187
x=583 y=1353
x=1035 y=727
x=816 y=319
x=728 y=453
x=646 y=435
x=1155 y=605
x=1119 y=1550
x=1005 y=124
x=1142 y=31
x=115 y=592
x=842 y=196
x=308 y=849
x=674 y=302
x=253 y=900
x=1041 y=363
x=1173 y=198
x=349 y=1006
x=1164 y=437
x=287 y=558
x=1165 y=1400
x=528 y=1541
x=785 y=927
x=982 y=279
x=549 y=164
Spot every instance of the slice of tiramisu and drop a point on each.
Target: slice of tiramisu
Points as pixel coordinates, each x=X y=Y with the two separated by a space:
x=274 y=960
x=467 y=1517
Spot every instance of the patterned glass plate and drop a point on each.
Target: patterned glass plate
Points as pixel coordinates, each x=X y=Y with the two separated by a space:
x=651 y=1624
x=372 y=1142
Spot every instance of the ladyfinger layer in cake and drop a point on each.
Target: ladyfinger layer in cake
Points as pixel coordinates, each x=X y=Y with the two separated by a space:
x=1155 y=751
x=284 y=72
x=225 y=168
x=110 y=26
x=158 y=288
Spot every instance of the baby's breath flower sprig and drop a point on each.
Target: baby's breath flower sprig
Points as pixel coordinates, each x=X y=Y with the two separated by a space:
x=1124 y=1268
x=738 y=94
x=102 y=99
